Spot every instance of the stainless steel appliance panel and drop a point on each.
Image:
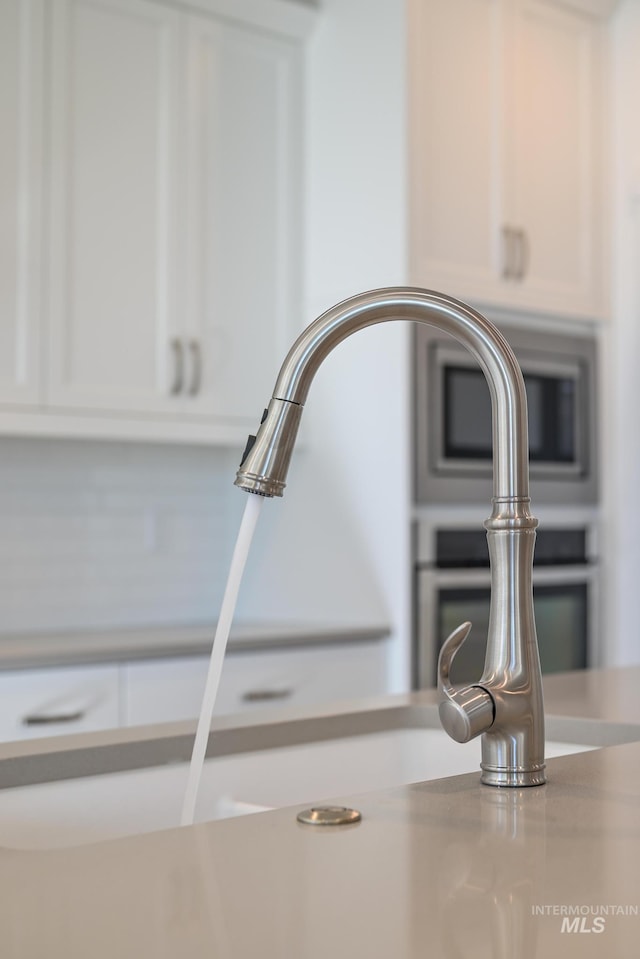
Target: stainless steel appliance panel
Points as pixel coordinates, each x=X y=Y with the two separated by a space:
x=455 y=587
x=452 y=418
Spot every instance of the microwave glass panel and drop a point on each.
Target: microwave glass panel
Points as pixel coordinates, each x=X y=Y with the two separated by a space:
x=561 y=626
x=551 y=402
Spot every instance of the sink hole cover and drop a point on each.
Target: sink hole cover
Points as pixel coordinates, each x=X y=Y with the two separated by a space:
x=329 y=816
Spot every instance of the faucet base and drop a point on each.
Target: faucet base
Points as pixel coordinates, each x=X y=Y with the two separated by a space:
x=514 y=778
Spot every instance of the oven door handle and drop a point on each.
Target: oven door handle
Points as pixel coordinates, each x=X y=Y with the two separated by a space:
x=479 y=577
x=459 y=578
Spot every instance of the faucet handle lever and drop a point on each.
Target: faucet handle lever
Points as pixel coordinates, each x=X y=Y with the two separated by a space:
x=449 y=648
x=464 y=713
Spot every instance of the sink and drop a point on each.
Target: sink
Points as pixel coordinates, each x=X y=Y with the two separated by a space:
x=303 y=762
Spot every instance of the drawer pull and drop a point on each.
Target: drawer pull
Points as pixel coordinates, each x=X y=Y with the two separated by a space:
x=265 y=695
x=45 y=719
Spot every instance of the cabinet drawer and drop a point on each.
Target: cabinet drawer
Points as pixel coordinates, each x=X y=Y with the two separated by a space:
x=172 y=689
x=303 y=677
x=50 y=702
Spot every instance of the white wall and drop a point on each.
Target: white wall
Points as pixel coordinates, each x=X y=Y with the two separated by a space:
x=622 y=435
x=101 y=535
x=357 y=240
x=357 y=143
x=109 y=534
x=342 y=537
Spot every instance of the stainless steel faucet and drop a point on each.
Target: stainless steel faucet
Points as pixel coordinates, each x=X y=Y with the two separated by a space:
x=505 y=705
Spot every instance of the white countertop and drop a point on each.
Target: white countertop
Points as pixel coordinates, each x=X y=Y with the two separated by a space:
x=154 y=642
x=435 y=869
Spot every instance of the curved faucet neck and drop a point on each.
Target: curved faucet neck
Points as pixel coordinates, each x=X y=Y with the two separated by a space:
x=477 y=334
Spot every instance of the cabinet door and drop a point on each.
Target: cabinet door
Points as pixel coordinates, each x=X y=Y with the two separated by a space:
x=243 y=212
x=506 y=168
x=51 y=702
x=21 y=122
x=114 y=246
x=458 y=179
x=555 y=153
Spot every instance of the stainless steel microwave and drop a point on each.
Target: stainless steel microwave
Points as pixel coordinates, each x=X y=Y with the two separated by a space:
x=453 y=418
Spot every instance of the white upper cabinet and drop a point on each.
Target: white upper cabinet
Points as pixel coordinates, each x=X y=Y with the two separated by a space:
x=456 y=119
x=21 y=125
x=243 y=208
x=555 y=148
x=506 y=124
x=114 y=246
x=170 y=181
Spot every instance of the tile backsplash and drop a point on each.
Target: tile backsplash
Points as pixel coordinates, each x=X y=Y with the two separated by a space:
x=100 y=535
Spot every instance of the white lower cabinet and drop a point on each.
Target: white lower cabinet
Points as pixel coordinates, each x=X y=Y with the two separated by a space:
x=168 y=690
x=50 y=702
x=55 y=701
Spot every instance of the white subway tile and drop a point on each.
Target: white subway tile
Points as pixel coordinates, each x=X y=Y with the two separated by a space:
x=95 y=535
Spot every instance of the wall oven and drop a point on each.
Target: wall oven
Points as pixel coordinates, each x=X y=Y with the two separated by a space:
x=453 y=418
x=453 y=585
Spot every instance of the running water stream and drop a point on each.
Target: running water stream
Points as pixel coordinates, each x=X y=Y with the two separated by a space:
x=238 y=562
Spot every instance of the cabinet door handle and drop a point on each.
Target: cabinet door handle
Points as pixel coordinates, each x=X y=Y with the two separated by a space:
x=508 y=234
x=196 y=367
x=524 y=251
x=178 y=366
x=46 y=719
x=266 y=695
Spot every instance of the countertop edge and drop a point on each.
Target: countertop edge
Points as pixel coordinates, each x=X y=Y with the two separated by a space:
x=92 y=647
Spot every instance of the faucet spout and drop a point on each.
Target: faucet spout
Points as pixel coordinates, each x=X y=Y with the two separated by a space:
x=505 y=706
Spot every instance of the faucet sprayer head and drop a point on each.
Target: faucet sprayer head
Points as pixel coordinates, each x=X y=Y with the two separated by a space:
x=266 y=458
